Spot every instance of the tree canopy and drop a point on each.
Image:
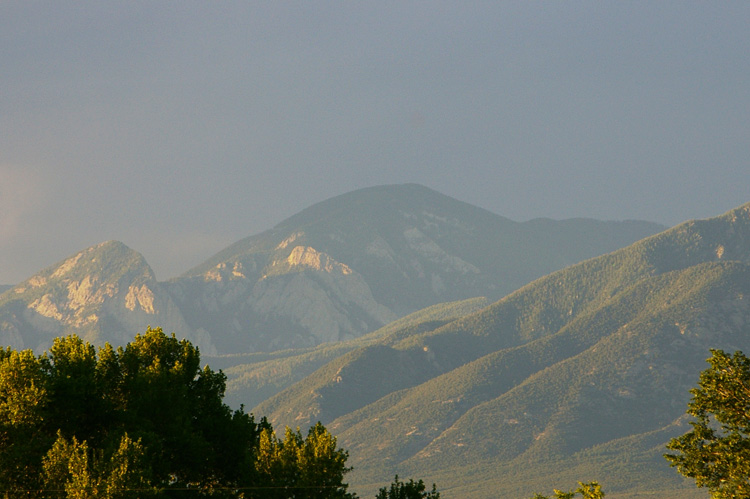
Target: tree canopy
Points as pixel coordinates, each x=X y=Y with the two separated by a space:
x=716 y=452
x=145 y=420
x=587 y=490
x=410 y=490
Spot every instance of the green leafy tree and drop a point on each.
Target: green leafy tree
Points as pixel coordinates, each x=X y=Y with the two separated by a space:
x=587 y=490
x=23 y=441
x=82 y=472
x=146 y=420
x=147 y=407
x=410 y=490
x=75 y=405
x=313 y=467
x=716 y=452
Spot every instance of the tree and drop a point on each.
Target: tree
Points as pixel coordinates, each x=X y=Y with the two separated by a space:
x=410 y=490
x=716 y=452
x=588 y=490
x=70 y=417
x=82 y=472
x=146 y=420
x=312 y=467
x=23 y=440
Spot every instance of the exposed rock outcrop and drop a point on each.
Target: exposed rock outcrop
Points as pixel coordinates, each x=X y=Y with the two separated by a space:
x=106 y=293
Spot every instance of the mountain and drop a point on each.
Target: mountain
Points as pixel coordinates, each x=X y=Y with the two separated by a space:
x=582 y=374
x=335 y=271
x=256 y=377
x=440 y=340
x=106 y=293
x=353 y=263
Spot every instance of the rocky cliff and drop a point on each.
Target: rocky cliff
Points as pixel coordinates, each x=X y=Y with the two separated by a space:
x=106 y=293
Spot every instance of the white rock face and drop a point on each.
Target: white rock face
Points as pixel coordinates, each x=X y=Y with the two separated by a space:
x=106 y=293
x=320 y=296
x=140 y=306
x=302 y=256
x=141 y=297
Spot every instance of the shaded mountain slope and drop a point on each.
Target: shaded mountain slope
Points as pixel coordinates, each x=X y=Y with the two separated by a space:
x=547 y=305
x=599 y=352
x=633 y=381
x=254 y=378
x=622 y=382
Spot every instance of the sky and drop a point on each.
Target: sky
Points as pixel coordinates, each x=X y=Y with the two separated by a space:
x=181 y=127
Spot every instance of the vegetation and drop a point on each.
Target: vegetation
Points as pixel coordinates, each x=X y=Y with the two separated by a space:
x=410 y=490
x=716 y=452
x=590 y=490
x=585 y=369
x=254 y=378
x=301 y=468
x=145 y=420
x=581 y=373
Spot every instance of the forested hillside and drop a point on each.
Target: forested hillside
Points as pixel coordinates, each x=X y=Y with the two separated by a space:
x=590 y=366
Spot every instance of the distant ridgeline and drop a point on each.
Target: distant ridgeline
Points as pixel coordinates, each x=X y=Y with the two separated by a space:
x=335 y=271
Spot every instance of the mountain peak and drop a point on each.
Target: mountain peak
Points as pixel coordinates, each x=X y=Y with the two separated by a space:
x=376 y=253
x=383 y=201
x=106 y=292
x=108 y=261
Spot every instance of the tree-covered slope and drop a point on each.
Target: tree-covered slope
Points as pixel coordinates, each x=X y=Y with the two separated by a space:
x=600 y=352
x=254 y=378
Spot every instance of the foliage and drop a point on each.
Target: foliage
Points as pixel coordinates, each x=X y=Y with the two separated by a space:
x=410 y=490
x=81 y=472
x=312 y=467
x=23 y=441
x=589 y=490
x=716 y=452
x=145 y=420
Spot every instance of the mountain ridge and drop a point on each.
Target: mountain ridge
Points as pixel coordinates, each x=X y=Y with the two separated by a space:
x=405 y=247
x=334 y=271
x=102 y=293
x=574 y=374
x=620 y=337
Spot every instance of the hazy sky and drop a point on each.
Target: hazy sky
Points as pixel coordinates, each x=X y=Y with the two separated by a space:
x=181 y=127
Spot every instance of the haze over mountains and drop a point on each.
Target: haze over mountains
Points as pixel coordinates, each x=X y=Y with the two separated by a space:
x=439 y=340
x=335 y=271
